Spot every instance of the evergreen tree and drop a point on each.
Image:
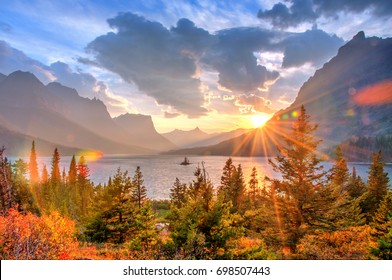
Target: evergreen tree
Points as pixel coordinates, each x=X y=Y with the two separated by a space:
x=237 y=191
x=345 y=211
x=72 y=173
x=8 y=195
x=201 y=189
x=85 y=188
x=25 y=198
x=114 y=211
x=55 y=176
x=356 y=187
x=227 y=180
x=253 y=187
x=304 y=198
x=33 y=165
x=339 y=174
x=382 y=220
x=45 y=175
x=382 y=229
x=144 y=234
x=178 y=194
x=139 y=191
x=377 y=186
x=74 y=203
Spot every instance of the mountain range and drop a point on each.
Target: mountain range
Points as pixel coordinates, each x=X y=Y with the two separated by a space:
x=349 y=98
x=58 y=116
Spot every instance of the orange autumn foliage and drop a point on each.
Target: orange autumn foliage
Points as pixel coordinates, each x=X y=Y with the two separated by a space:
x=349 y=244
x=28 y=237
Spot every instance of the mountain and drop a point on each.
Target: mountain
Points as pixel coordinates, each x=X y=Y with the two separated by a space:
x=349 y=97
x=140 y=128
x=18 y=144
x=182 y=138
x=220 y=137
x=29 y=107
x=2 y=77
x=254 y=143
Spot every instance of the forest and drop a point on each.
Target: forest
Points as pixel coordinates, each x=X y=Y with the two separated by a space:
x=308 y=214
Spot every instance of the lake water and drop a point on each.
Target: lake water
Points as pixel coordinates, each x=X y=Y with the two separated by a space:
x=160 y=171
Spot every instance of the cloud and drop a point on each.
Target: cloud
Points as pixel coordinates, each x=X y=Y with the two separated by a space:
x=166 y=63
x=82 y=82
x=282 y=16
x=254 y=103
x=331 y=7
x=12 y=60
x=233 y=57
x=169 y=65
x=5 y=27
x=168 y=115
x=155 y=58
x=312 y=46
x=308 y=11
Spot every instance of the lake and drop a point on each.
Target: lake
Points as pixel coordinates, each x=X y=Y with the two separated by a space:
x=160 y=171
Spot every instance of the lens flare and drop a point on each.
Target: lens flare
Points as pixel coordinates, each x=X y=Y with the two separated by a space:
x=90 y=155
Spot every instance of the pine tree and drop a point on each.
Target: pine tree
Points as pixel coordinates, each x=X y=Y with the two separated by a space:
x=178 y=194
x=382 y=220
x=45 y=175
x=118 y=216
x=253 y=187
x=72 y=173
x=237 y=191
x=33 y=165
x=25 y=197
x=304 y=199
x=139 y=191
x=339 y=174
x=84 y=186
x=8 y=195
x=201 y=188
x=55 y=176
x=356 y=187
x=345 y=211
x=377 y=186
x=227 y=180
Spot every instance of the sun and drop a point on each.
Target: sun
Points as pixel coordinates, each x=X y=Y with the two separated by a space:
x=259 y=120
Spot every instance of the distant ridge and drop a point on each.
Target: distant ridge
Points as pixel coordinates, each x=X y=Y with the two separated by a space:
x=140 y=128
x=58 y=115
x=183 y=138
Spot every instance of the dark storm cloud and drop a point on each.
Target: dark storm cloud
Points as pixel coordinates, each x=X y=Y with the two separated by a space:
x=233 y=57
x=330 y=7
x=300 y=11
x=166 y=64
x=313 y=46
x=147 y=54
x=282 y=16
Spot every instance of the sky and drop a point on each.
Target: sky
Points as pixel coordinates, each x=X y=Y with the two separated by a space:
x=212 y=64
